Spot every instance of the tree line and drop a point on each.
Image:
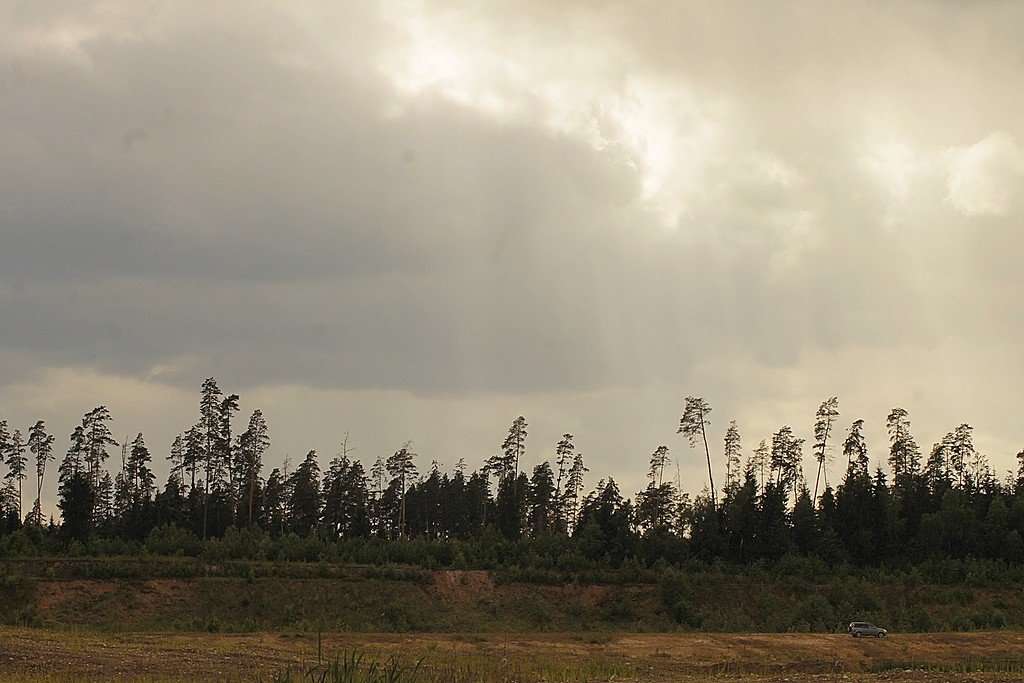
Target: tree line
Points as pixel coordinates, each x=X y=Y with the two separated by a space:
x=948 y=503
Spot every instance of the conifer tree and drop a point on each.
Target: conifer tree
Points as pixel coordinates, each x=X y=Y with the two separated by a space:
x=759 y=462
x=1020 y=472
x=733 y=453
x=304 y=503
x=786 y=459
x=573 y=487
x=938 y=467
x=41 y=445
x=141 y=478
x=97 y=439
x=176 y=476
x=193 y=454
x=210 y=428
x=345 y=495
x=275 y=497
x=856 y=451
x=542 y=499
x=826 y=416
x=654 y=503
x=904 y=453
x=693 y=424
x=963 y=457
x=226 y=453
x=17 y=466
x=514 y=445
x=564 y=456
x=253 y=445
x=402 y=470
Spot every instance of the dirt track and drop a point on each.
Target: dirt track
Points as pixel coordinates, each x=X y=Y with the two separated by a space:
x=653 y=657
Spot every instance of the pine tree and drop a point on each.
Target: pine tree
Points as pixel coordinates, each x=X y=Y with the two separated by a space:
x=5 y=438
x=693 y=424
x=826 y=416
x=1020 y=472
x=514 y=445
x=97 y=439
x=210 y=428
x=963 y=457
x=142 y=482
x=654 y=503
x=17 y=466
x=573 y=487
x=104 y=508
x=193 y=454
x=76 y=493
x=176 y=476
x=41 y=445
x=856 y=451
x=904 y=453
x=5 y=441
x=733 y=453
x=564 y=455
x=227 y=453
x=759 y=462
x=787 y=459
x=378 y=520
x=938 y=467
x=402 y=470
x=254 y=444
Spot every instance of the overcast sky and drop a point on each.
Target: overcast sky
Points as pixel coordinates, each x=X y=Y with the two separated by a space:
x=418 y=220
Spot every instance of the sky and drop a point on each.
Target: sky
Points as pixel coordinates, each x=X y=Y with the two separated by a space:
x=418 y=220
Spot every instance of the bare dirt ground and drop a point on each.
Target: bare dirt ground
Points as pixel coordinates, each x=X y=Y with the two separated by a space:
x=31 y=654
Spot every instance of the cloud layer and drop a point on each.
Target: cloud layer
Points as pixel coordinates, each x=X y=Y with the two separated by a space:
x=580 y=212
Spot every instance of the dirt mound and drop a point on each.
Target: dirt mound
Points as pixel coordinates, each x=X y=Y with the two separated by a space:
x=461 y=587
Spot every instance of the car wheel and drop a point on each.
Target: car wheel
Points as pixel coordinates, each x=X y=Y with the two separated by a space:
x=881 y=635
x=856 y=634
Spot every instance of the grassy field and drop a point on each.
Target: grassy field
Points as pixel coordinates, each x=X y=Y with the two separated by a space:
x=180 y=619
x=46 y=655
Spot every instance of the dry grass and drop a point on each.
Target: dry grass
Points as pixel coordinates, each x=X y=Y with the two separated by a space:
x=41 y=655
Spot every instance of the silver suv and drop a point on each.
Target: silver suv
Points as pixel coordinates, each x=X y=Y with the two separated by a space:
x=858 y=629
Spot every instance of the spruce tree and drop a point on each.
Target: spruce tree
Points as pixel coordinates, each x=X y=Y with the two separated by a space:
x=304 y=503
x=345 y=495
x=541 y=500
